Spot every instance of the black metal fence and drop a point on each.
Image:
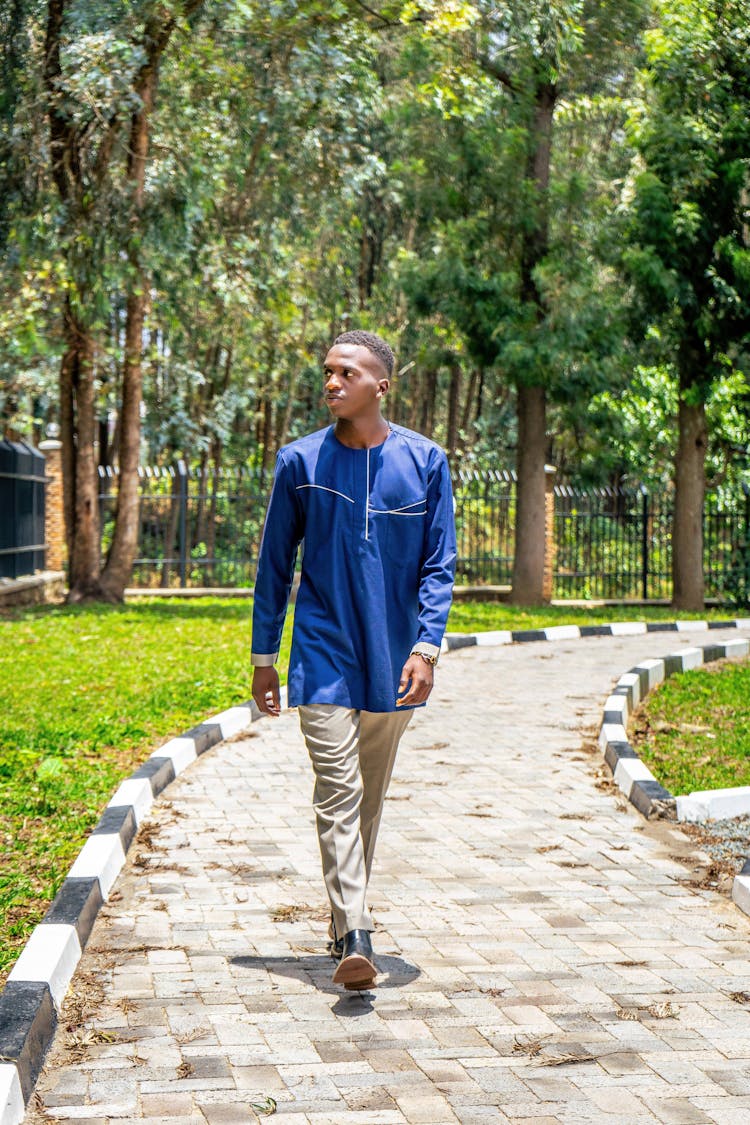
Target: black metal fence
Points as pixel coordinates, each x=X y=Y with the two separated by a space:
x=204 y=530
x=485 y=523
x=612 y=543
x=617 y=543
x=196 y=529
x=21 y=509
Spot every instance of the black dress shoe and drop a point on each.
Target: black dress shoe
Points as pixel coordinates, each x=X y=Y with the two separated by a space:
x=356 y=969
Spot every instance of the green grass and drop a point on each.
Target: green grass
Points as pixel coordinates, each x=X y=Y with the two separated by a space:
x=86 y=693
x=693 y=731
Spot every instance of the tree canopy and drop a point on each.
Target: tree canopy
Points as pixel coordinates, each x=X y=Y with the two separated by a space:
x=542 y=206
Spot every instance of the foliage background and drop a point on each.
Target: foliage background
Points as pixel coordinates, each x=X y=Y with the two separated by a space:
x=317 y=167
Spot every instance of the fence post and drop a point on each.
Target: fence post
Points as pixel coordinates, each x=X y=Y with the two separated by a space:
x=746 y=545
x=182 y=532
x=548 y=580
x=645 y=542
x=54 y=516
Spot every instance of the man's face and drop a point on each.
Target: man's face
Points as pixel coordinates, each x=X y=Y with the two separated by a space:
x=354 y=382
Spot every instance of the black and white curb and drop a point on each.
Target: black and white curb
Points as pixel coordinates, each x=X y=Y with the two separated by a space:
x=36 y=987
x=455 y=641
x=632 y=775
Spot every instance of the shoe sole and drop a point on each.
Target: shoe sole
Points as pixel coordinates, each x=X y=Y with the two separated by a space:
x=355 y=972
x=360 y=985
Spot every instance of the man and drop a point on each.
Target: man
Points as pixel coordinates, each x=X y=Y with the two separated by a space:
x=372 y=504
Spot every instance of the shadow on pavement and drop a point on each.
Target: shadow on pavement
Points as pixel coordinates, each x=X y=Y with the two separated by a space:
x=393 y=972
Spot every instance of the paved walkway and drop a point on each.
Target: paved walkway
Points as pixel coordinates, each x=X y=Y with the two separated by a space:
x=527 y=916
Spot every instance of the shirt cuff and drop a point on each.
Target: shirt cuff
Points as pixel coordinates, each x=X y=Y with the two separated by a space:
x=426 y=648
x=263 y=659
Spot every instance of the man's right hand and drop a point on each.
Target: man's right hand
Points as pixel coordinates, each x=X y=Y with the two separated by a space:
x=266 y=690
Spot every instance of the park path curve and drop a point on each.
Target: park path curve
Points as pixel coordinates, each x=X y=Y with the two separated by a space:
x=524 y=910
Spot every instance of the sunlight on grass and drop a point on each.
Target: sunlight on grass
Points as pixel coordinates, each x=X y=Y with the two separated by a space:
x=693 y=731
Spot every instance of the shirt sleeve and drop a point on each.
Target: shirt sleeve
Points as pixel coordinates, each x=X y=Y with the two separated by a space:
x=439 y=563
x=282 y=533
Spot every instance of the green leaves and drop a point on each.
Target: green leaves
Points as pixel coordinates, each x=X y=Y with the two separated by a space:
x=687 y=252
x=316 y=166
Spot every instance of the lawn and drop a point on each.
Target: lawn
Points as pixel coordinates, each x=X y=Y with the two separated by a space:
x=86 y=693
x=693 y=731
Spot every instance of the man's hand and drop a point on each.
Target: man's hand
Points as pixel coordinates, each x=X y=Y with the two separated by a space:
x=266 y=690
x=422 y=675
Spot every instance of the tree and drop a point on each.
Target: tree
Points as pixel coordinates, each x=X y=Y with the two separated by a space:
x=543 y=56
x=507 y=74
x=686 y=226
x=100 y=76
x=451 y=183
x=254 y=255
x=517 y=79
x=210 y=191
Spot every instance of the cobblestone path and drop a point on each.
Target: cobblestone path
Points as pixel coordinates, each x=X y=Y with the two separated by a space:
x=546 y=955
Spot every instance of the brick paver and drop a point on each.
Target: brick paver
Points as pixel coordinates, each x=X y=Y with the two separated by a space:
x=546 y=954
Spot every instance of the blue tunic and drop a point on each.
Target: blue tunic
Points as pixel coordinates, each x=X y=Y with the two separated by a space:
x=378 y=562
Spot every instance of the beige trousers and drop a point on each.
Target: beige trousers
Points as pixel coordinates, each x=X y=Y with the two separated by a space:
x=352 y=754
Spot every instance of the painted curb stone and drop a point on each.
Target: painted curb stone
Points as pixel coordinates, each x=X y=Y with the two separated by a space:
x=633 y=776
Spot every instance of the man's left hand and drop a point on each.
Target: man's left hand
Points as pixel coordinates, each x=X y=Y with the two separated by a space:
x=420 y=675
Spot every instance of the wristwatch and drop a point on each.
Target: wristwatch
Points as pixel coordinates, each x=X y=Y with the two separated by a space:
x=427 y=659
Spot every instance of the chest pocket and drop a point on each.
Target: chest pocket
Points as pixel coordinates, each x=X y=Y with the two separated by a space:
x=402 y=528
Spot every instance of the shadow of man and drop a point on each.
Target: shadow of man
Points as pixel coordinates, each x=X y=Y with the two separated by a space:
x=393 y=972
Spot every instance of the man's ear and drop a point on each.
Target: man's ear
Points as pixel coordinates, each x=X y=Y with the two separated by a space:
x=383 y=386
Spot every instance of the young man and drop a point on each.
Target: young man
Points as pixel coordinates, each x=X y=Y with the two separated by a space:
x=372 y=504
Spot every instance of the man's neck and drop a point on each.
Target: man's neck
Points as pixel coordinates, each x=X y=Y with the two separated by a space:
x=363 y=433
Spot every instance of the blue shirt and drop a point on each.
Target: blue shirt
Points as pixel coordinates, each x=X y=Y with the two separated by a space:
x=378 y=561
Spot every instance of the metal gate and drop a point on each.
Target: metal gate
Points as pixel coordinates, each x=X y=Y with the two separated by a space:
x=21 y=509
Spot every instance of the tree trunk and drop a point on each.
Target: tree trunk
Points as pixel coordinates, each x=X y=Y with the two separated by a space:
x=415 y=400
x=480 y=397
x=200 y=510
x=528 y=560
x=267 y=433
x=82 y=487
x=170 y=536
x=102 y=428
x=395 y=403
x=124 y=546
x=454 y=394
x=429 y=394
x=77 y=397
x=284 y=420
x=67 y=437
x=471 y=392
x=81 y=172
x=687 y=526
x=211 y=528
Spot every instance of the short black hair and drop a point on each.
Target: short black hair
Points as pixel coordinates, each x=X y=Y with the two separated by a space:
x=373 y=343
